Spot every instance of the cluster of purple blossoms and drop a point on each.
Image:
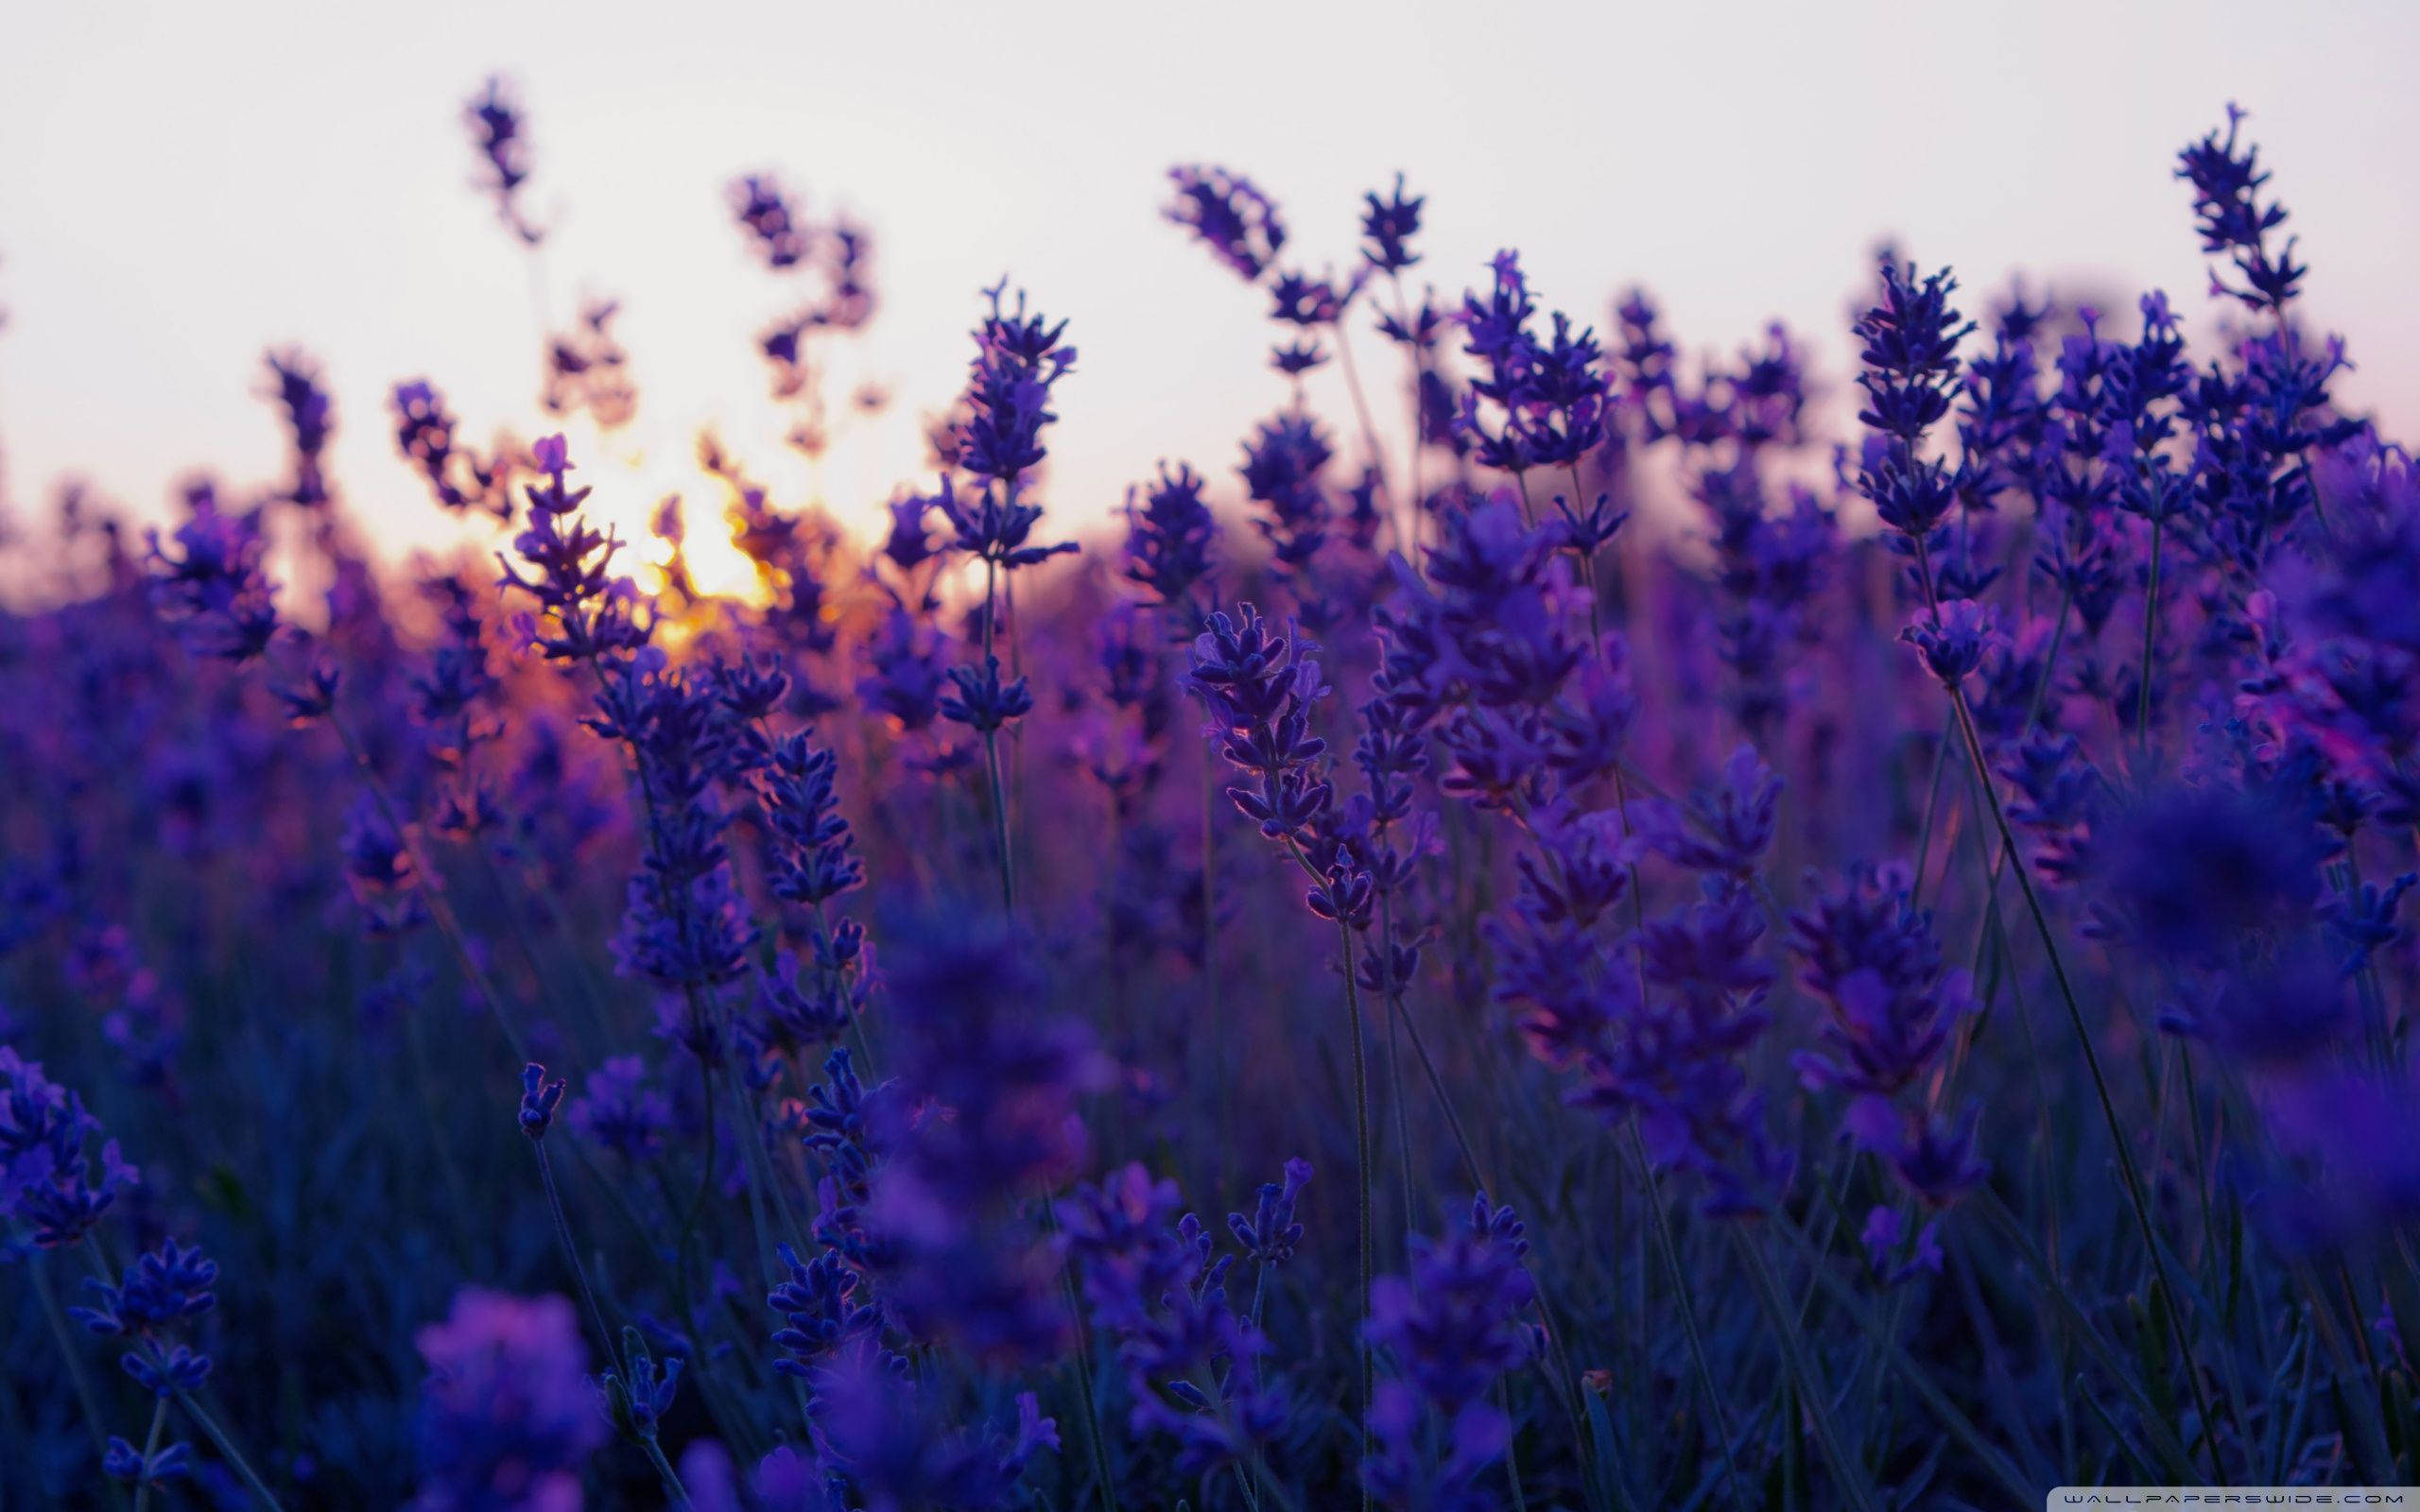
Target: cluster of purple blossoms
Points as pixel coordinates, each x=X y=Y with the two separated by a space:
x=1260 y=686
x=1450 y=1329
x=50 y=1181
x=1168 y=539
x=499 y=135
x=507 y=1414
x=589 y=614
x=1539 y=403
x=980 y=1119
x=310 y=423
x=215 y=587
x=887 y=1225
x=1229 y=216
x=150 y=1307
x=1869 y=957
x=459 y=477
x=1155 y=1283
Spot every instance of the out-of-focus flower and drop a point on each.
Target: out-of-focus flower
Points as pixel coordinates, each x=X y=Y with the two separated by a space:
x=507 y=1419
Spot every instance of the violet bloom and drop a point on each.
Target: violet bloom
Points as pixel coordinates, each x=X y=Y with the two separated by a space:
x=2353 y=1136
x=216 y=592
x=1910 y=371
x=984 y=1115
x=2236 y=222
x=1269 y=1237
x=826 y=1306
x=1726 y=826
x=507 y=1417
x=815 y=857
x=539 y=1100
x=49 y=1181
x=567 y=563
x=1228 y=214
x=619 y=1111
x=1019 y=358
x=2341 y=651
x=774 y=229
x=1259 y=688
x=1158 y=1289
x=150 y=1308
x=686 y=926
x=1282 y=469
x=310 y=421
x=1168 y=541
x=588 y=368
x=497 y=132
x=886 y=1438
x=1448 y=1330
x=1494 y=611
x=425 y=434
x=1954 y=638
x=1547 y=399
x=909 y=668
x=1388 y=226
x=1872 y=961
x=2207 y=875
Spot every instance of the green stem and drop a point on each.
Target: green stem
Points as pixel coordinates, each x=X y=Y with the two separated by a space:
x=1671 y=1252
x=663 y=1470
x=2150 y=636
x=1098 y=1444
x=441 y=910
x=76 y=1378
x=1954 y=1421
x=2168 y=1303
x=151 y=1447
x=1361 y=1158
x=571 y=1253
x=1847 y=1476
x=2135 y=1193
x=227 y=1450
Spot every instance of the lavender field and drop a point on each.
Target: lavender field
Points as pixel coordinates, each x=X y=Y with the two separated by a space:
x=1573 y=925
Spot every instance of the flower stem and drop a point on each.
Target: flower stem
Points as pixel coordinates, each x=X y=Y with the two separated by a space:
x=2150 y=636
x=1671 y=1252
x=77 y=1377
x=1847 y=1476
x=151 y=1447
x=2135 y=1193
x=1361 y=1160
x=227 y=1449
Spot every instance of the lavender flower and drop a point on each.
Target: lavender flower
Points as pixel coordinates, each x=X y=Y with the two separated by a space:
x=1259 y=687
x=774 y=230
x=1910 y=371
x=48 y=1181
x=160 y=1293
x=506 y=1417
x=1451 y=1327
x=1238 y=223
x=2235 y=221
x=215 y=593
x=619 y=1110
x=539 y=1100
x=1388 y=226
x=1168 y=542
x=998 y=1081
x=497 y=132
x=310 y=421
x=1270 y=1235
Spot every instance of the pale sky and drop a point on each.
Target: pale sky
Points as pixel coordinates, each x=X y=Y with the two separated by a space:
x=183 y=185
